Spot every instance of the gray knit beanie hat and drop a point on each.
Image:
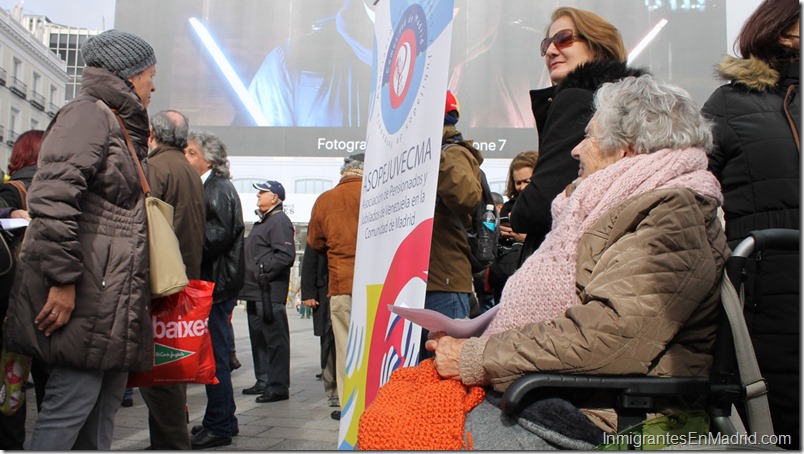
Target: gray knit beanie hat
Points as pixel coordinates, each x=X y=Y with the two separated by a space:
x=122 y=53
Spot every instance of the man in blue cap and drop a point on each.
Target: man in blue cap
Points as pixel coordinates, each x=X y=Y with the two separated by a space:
x=270 y=251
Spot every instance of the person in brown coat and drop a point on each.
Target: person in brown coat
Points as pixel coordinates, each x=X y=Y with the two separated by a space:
x=175 y=181
x=80 y=302
x=333 y=231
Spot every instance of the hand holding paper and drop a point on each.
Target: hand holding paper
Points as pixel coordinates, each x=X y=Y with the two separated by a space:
x=437 y=322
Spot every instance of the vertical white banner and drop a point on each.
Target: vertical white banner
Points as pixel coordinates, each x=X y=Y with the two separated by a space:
x=403 y=146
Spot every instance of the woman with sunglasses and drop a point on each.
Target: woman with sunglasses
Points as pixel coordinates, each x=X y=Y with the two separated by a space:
x=582 y=51
x=757 y=118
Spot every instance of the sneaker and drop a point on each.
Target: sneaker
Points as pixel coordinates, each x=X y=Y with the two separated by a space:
x=336 y=415
x=127 y=402
x=334 y=402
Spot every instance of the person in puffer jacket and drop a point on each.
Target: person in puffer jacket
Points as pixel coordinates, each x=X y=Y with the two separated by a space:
x=81 y=301
x=757 y=158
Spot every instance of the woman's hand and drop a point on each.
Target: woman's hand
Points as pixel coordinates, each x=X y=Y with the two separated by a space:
x=507 y=232
x=20 y=214
x=56 y=313
x=310 y=303
x=447 y=350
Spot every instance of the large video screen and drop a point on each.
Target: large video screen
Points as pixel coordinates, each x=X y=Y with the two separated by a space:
x=291 y=77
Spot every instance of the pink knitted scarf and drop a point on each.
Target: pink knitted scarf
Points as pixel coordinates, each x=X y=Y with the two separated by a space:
x=544 y=287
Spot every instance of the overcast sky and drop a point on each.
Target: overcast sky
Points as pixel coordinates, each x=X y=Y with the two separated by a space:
x=77 y=13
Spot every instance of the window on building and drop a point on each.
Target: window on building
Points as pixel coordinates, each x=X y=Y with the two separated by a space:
x=53 y=92
x=244 y=185
x=13 y=119
x=36 y=84
x=312 y=185
x=497 y=186
x=34 y=123
x=16 y=68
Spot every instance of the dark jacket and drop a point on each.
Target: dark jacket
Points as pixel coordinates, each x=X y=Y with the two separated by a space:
x=223 y=261
x=315 y=285
x=173 y=180
x=9 y=194
x=88 y=228
x=756 y=157
x=507 y=260
x=758 y=163
x=270 y=242
x=562 y=113
x=458 y=194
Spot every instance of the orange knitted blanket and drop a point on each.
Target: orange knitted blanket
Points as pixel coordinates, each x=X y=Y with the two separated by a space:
x=418 y=410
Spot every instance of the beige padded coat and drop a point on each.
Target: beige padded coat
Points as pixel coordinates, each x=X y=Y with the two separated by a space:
x=647 y=279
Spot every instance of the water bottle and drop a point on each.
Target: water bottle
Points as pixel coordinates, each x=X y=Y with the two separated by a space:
x=485 y=243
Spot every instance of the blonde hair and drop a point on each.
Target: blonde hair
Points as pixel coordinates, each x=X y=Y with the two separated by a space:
x=603 y=39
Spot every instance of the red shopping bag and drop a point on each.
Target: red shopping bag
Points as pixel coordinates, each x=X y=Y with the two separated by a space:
x=182 y=346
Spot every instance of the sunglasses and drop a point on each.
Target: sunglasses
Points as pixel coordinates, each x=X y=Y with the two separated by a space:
x=562 y=39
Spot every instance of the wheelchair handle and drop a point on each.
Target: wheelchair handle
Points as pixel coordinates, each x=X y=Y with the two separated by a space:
x=759 y=240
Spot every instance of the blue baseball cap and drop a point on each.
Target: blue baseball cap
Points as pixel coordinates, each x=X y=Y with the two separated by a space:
x=271 y=186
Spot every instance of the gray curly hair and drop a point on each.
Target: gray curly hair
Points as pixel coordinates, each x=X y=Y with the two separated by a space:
x=648 y=115
x=214 y=151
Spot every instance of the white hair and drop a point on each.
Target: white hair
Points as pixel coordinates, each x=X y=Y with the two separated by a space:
x=647 y=115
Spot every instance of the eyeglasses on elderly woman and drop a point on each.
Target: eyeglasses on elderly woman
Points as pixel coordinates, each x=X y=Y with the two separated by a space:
x=562 y=39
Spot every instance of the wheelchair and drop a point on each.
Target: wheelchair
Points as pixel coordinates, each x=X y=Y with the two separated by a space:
x=734 y=380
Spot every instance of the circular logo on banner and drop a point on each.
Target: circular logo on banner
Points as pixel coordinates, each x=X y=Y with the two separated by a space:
x=404 y=67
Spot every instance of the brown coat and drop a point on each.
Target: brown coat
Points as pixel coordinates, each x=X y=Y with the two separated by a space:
x=648 y=275
x=333 y=229
x=88 y=229
x=173 y=180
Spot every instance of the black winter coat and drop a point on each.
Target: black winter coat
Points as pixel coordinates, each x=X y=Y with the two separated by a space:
x=562 y=113
x=315 y=285
x=9 y=194
x=756 y=157
x=757 y=160
x=270 y=242
x=223 y=262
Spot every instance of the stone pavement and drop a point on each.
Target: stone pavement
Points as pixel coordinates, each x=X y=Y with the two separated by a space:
x=300 y=423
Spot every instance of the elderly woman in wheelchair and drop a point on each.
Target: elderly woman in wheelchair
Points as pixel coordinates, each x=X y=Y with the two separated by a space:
x=626 y=283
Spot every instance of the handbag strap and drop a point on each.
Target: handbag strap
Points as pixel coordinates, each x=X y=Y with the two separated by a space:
x=786 y=104
x=146 y=189
x=22 y=190
x=756 y=388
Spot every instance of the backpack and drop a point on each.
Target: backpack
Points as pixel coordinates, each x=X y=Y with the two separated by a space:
x=479 y=260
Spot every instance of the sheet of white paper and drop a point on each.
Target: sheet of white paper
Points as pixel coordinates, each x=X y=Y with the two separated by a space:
x=435 y=321
x=10 y=224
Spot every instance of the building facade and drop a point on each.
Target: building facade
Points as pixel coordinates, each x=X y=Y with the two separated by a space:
x=33 y=82
x=65 y=41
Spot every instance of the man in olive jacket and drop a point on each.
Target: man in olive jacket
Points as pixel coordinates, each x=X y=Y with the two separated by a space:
x=173 y=180
x=449 y=281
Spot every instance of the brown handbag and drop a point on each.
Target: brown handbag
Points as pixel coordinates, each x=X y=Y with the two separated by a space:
x=167 y=270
